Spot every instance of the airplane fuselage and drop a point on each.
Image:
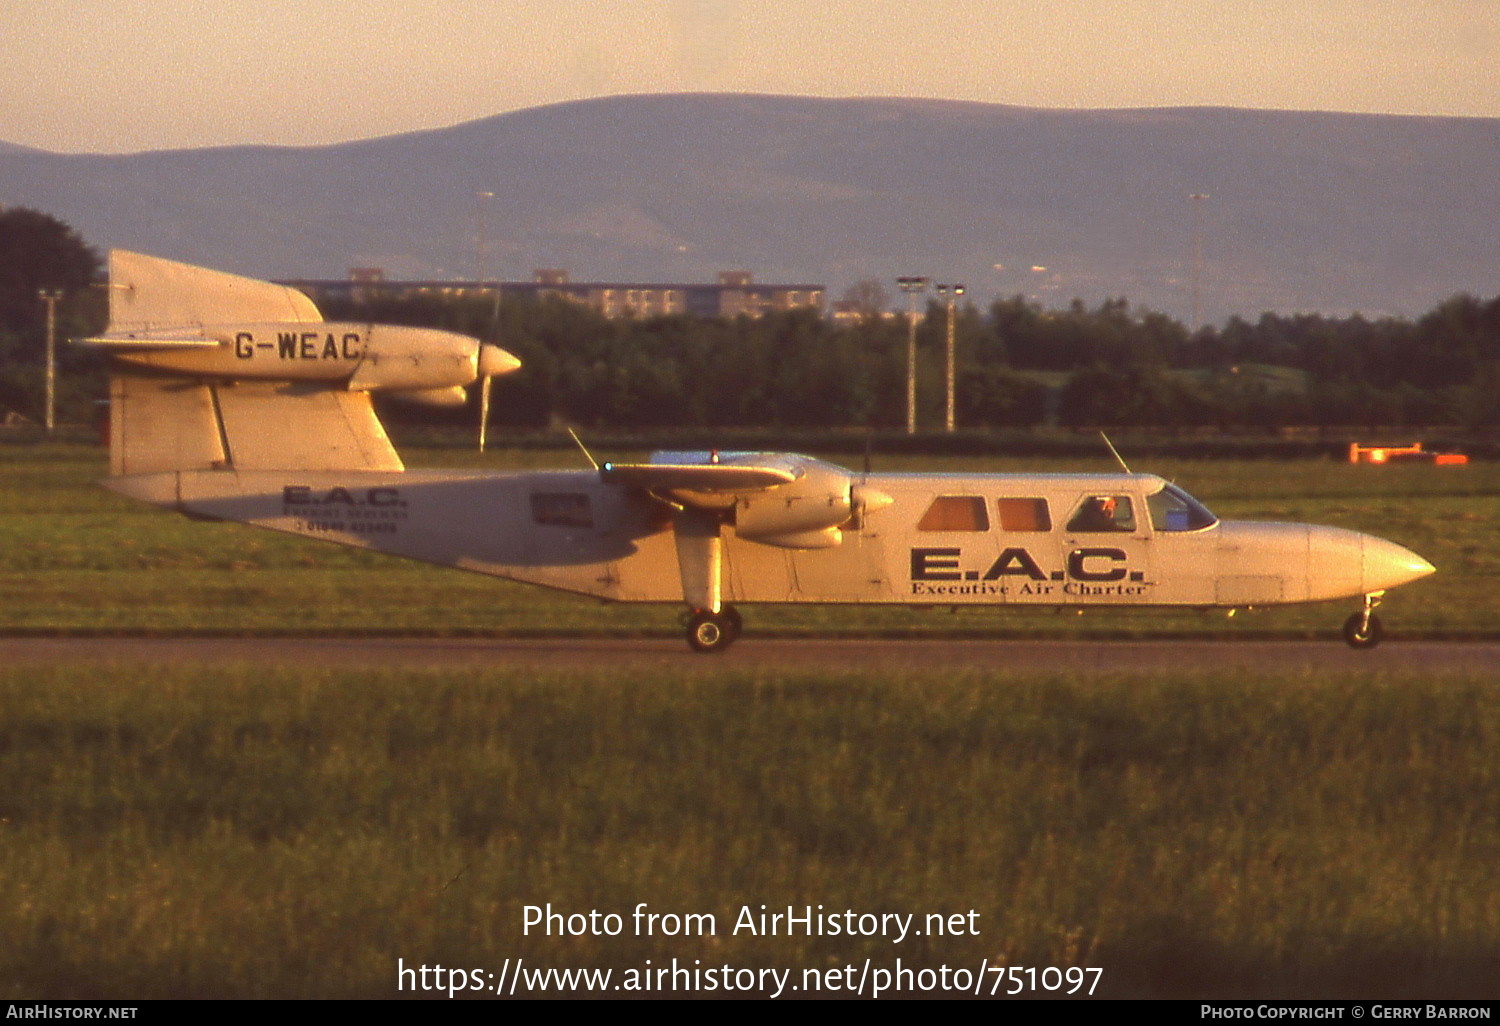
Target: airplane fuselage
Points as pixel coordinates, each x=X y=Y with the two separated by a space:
x=948 y=540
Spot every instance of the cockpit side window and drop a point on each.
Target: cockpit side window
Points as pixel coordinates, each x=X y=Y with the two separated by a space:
x=1099 y=513
x=1173 y=509
x=955 y=513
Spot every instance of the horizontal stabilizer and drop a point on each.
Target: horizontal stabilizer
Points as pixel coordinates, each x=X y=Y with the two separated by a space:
x=146 y=340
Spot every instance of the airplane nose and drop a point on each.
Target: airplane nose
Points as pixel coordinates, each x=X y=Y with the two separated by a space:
x=1387 y=565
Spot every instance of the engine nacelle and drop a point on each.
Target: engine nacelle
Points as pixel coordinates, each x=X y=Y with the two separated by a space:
x=829 y=537
x=445 y=398
x=805 y=513
x=405 y=359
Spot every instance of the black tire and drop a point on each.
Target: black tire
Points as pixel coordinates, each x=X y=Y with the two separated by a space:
x=1361 y=635
x=709 y=632
x=732 y=621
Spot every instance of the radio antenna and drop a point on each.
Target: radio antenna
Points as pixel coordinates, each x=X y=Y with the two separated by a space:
x=1115 y=452
x=587 y=455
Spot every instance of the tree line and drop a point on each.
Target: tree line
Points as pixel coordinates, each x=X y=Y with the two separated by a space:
x=1019 y=364
x=38 y=252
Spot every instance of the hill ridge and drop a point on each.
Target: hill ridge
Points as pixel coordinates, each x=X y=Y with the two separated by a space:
x=1306 y=211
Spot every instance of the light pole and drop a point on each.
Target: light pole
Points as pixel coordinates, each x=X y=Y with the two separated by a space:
x=50 y=297
x=481 y=235
x=913 y=287
x=952 y=292
x=1197 y=199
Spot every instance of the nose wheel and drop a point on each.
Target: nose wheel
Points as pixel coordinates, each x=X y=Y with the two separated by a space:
x=1364 y=629
x=713 y=632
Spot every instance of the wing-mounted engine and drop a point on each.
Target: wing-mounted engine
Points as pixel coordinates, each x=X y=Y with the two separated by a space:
x=781 y=499
x=807 y=513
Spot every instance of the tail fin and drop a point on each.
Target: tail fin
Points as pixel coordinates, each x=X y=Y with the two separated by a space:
x=161 y=424
x=147 y=293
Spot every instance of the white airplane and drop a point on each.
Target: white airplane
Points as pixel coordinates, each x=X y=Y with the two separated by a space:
x=231 y=399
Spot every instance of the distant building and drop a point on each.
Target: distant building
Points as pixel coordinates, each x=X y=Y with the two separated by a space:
x=848 y=312
x=734 y=294
x=365 y=281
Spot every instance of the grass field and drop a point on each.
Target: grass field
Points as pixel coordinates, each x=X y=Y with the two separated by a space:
x=226 y=832
x=294 y=833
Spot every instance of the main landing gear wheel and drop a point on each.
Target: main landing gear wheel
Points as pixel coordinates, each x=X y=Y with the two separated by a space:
x=736 y=622
x=713 y=632
x=1363 y=630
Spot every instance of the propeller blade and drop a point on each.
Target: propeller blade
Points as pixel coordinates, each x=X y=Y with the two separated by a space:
x=490 y=361
x=484 y=408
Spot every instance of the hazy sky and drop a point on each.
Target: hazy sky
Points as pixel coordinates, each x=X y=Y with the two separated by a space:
x=125 y=75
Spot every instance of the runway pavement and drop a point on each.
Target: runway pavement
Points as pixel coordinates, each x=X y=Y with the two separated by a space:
x=865 y=656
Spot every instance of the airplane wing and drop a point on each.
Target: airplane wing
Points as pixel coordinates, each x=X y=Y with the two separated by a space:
x=706 y=483
x=696 y=477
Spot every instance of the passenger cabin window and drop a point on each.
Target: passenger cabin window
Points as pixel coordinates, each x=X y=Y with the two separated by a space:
x=955 y=513
x=1024 y=515
x=561 y=509
x=1173 y=509
x=1100 y=513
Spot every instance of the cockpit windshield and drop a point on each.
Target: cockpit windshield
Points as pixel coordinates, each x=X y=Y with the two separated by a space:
x=1173 y=509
